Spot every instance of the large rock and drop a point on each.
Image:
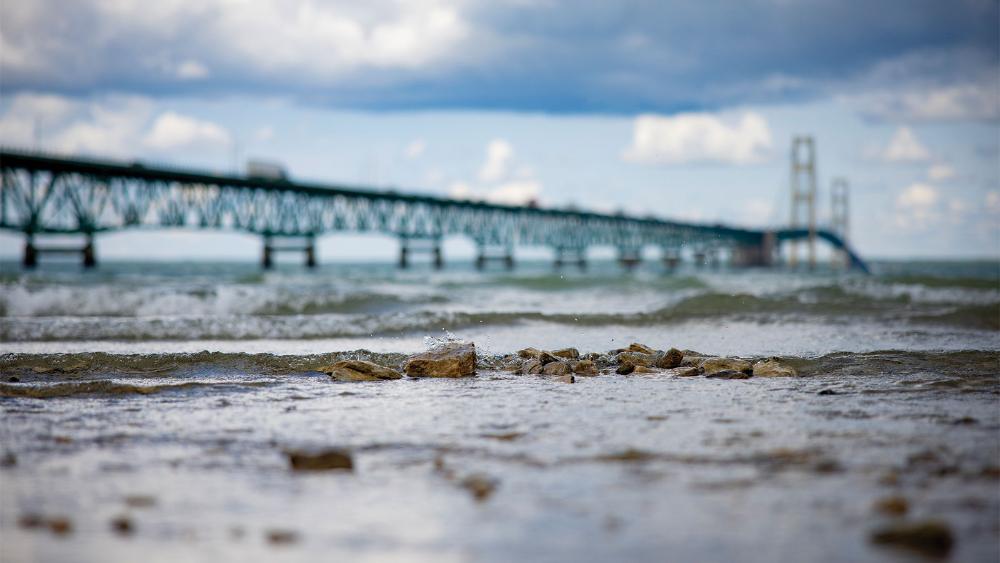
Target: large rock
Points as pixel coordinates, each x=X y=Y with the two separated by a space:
x=557 y=368
x=567 y=353
x=641 y=348
x=585 y=367
x=715 y=365
x=930 y=537
x=636 y=359
x=669 y=359
x=455 y=359
x=773 y=367
x=684 y=371
x=359 y=370
x=531 y=367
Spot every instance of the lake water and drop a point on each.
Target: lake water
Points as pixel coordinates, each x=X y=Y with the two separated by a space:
x=166 y=396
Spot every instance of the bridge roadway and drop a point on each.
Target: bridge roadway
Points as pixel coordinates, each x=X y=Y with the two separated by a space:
x=45 y=195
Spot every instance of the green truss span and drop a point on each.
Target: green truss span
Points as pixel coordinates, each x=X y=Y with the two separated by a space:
x=48 y=194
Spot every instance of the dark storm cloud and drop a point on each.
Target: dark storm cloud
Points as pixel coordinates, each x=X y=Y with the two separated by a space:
x=568 y=56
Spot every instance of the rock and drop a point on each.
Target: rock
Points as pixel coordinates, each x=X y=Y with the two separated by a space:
x=281 y=537
x=585 y=367
x=892 y=506
x=728 y=374
x=773 y=367
x=455 y=359
x=929 y=537
x=529 y=353
x=693 y=360
x=557 y=368
x=592 y=356
x=359 y=370
x=14 y=379
x=8 y=460
x=641 y=348
x=644 y=369
x=828 y=392
x=714 y=365
x=636 y=359
x=531 y=367
x=684 y=371
x=321 y=461
x=625 y=369
x=669 y=359
x=122 y=525
x=567 y=379
x=481 y=486
x=568 y=353
x=59 y=525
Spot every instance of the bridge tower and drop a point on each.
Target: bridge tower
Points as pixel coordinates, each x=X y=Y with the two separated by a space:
x=839 y=215
x=803 y=183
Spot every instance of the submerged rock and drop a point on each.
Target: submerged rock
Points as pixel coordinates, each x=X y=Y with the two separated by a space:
x=359 y=370
x=585 y=367
x=321 y=461
x=641 y=348
x=455 y=359
x=892 y=506
x=481 y=486
x=567 y=378
x=568 y=353
x=669 y=359
x=625 y=369
x=929 y=537
x=715 y=365
x=122 y=525
x=684 y=371
x=773 y=367
x=728 y=374
x=281 y=537
x=557 y=368
x=644 y=369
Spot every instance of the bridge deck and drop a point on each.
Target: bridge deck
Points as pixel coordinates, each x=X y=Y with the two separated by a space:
x=49 y=194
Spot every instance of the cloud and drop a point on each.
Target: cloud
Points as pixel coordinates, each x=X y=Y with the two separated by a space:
x=905 y=147
x=500 y=179
x=415 y=148
x=172 y=130
x=499 y=154
x=699 y=137
x=940 y=171
x=917 y=207
x=624 y=57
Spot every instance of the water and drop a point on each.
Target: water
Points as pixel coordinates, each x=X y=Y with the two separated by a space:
x=184 y=385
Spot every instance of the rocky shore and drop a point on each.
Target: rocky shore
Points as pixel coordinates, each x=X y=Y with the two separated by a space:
x=459 y=359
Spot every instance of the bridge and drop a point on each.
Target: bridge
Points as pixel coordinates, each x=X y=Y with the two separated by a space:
x=50 y=195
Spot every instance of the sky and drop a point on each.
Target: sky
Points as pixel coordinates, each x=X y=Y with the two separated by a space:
x=683 y=110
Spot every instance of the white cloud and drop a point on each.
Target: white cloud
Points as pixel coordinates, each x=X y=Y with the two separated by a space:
x=172 y=130
x=905 y=147
x=992 y=201
x=499 y=154
x=264 y=134
x=917 y=207
x=699 y=137
x=940 y=171
x=33 y=115
x=501 y=179
x=415 y=148
x=105 y=127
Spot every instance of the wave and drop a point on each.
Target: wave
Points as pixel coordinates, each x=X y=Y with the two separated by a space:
x=830 y=305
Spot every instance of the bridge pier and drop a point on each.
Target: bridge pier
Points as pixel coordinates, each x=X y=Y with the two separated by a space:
x=32 y=252
x=629 y=258
x=571 y=255
x=671 y=259
x=503 y=255
x=411 y=245
x=272 y=247
x=749 y=255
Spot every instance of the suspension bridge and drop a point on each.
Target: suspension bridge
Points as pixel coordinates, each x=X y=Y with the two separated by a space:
x=44 y=195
